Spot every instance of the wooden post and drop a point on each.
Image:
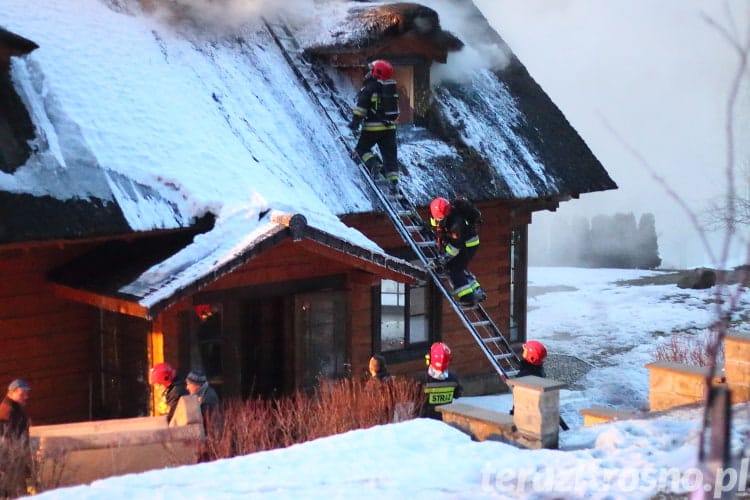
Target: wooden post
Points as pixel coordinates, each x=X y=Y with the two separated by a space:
x=155 y=355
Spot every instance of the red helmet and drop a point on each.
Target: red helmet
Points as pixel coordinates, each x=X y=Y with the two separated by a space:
x=162 y=374
x=440 y=208
x=534 y=352
x=440 y=356
x=381 y=69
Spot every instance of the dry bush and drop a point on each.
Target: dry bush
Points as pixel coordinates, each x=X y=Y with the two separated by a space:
x=696 y=351
x=334 y=407
x=238 y=428
x=16 y=466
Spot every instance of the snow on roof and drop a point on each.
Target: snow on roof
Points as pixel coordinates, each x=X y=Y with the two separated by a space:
x=169 y=117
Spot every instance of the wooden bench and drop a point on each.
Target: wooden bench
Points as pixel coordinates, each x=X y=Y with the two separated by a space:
x=601 y=414
x=479 y=423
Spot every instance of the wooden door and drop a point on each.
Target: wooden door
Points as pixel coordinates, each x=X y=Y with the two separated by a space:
x=319 y=336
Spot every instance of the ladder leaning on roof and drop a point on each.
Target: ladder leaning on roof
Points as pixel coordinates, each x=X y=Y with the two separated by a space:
x=405 y=217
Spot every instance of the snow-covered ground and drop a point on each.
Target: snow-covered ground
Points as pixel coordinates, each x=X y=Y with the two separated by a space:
x=584 y=312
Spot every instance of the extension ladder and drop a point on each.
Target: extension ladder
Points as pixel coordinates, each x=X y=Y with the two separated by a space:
x=405 y=217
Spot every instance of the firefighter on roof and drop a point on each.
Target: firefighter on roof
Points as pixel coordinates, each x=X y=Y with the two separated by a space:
x=377 y=111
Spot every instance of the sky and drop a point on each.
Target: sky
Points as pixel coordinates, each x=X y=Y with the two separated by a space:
x=583 y=312
x=646 y=77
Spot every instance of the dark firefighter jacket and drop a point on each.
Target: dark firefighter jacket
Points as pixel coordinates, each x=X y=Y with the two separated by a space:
x=370 y=104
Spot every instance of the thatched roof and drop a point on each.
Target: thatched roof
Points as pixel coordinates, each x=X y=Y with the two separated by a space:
x=367 y=27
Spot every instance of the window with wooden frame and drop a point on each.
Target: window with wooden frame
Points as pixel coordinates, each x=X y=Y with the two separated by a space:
x=406 y=319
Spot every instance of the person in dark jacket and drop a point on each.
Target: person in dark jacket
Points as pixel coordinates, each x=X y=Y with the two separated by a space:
x=377 y=111
x=440 y=385
x=532 y=359
x=14 y=423
x=532 y=363
x=174 y=387
x=378 y=370
x=15 y=454
x=457 y=241
x=197 y=385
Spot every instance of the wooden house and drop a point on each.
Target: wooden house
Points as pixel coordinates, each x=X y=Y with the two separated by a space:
x=112 y=260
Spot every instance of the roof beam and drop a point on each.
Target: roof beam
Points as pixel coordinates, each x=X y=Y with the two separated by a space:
x=103 y=302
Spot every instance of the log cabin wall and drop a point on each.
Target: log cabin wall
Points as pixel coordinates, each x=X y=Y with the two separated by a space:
x=50 y=342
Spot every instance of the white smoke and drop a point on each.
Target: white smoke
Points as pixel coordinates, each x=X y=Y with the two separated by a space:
x=457 y=18
x=226 y=15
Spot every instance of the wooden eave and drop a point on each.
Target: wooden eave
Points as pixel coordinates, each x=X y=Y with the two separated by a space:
x=406 y=47
x=375 y=263
x=291 y=226
x=118 y=305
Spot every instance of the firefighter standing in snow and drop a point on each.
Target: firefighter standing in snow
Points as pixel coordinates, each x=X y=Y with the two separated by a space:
x=377 y=107
x=439 y=385
x=173 y=385
x=532 y=363
x=455 y=226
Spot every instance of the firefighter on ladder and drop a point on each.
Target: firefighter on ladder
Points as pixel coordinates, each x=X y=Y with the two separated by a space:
x=457 y=243
x=377 y=107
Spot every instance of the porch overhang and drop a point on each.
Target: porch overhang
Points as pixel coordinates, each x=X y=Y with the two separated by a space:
x=107 y=280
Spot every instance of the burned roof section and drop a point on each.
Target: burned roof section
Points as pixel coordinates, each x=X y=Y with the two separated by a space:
x=372 y=28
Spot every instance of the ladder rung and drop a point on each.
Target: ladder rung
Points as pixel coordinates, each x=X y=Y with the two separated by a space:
x=425 y=243
x=485 y=322
x=507 y=355
x=493 y=339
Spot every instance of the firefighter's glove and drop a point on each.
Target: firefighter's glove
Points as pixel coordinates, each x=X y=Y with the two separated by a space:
x=438 y=265
x=355 y=123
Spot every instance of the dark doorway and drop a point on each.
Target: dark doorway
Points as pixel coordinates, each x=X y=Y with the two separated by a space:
x=264 y=326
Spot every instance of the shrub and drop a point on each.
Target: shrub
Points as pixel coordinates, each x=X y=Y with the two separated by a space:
x=694 y=351
x=16 y=466
x=334 y=407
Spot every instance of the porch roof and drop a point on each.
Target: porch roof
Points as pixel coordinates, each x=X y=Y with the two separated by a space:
x=154 y=275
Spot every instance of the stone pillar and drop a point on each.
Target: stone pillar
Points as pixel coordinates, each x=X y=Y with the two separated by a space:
x=737 y=365
x=537 y=408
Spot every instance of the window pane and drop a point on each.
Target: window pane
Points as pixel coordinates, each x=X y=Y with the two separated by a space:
x=418 y=329
x=392 y=293
x=392 y=329
x=402 y=326
x=417 y=303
